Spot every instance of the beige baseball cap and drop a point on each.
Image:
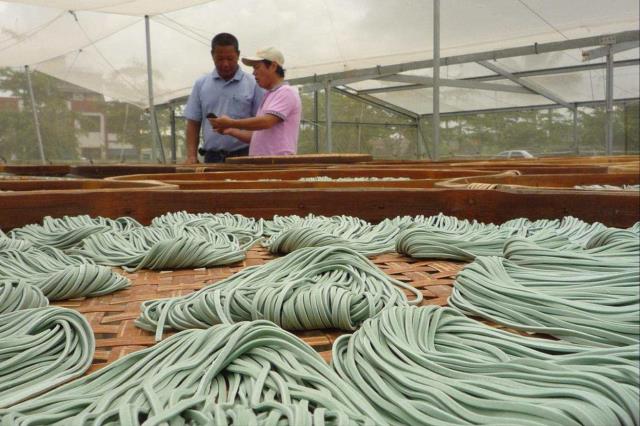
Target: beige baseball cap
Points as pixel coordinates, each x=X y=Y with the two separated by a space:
x=270 y=53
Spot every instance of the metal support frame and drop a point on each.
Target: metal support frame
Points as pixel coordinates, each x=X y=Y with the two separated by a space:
x=576 y=141
x=609 y=103
x=417 y=82
x=528 y=84
x=339 y=80
x=626 y=128
x=425 y=82
x=418 y=138
x=557 y=70
x=327 y=111
x=36 y=122
x=530 y=108
x=157 y=141
x=362 y=123
x=172 y=120
x=319 y=85
x=345 y=77
x=436 y=78
x=359 y=125
x=370 y=100
x=425 y=143
x=533 y=49
x=599 y=52
x=316 y=129
x=124 y=132
x=390 y=89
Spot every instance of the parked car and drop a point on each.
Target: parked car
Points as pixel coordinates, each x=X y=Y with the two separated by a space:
x=515 y=153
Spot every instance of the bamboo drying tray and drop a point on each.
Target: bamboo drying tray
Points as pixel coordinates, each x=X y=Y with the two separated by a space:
x=111 y=316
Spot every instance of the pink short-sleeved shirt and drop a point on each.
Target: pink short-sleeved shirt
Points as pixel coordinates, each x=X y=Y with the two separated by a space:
x=282 y=139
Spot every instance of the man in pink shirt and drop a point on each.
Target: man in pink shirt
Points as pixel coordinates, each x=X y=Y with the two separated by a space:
x=275 y=128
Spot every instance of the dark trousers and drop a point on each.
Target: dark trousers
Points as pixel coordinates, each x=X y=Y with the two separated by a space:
x=219 y=156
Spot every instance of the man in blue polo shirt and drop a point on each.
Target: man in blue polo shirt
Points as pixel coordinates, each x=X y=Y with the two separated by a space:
x=226 y=91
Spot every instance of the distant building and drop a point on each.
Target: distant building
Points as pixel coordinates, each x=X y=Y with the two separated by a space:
x=95 y=142
x=10 y=103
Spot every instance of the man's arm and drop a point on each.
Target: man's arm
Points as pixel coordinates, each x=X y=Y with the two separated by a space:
x=193 y=136
x=241 y=135
x=260 y=122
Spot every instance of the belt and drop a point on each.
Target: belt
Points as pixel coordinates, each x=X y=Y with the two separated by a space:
x=222 y=152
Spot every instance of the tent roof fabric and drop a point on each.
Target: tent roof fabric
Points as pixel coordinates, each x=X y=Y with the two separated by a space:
x=100 y=44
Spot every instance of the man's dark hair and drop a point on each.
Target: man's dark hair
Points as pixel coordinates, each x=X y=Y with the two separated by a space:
x=224 y=39
x=279 y=70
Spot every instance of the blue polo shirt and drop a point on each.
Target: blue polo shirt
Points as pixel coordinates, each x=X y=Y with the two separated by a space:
x=239 y=97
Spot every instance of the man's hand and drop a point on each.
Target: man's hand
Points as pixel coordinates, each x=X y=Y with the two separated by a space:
x=241 y=135
x=221 y=123
x=193 y=136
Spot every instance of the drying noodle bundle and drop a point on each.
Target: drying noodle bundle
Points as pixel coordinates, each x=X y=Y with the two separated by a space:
x=68 y=231
x=17 y=295
x=40 y=349
x=57 y=275
x=583 y=307
x=169 y=247
x=433 y=366
x=609 y=250
x=312 y=288
x=228 y=223
x=292 y=233
x=250 y=373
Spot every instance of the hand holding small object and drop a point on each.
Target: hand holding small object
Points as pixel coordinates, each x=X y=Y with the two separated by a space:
x=221 y=123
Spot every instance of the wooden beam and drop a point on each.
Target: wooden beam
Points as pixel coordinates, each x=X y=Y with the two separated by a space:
x=622 y=210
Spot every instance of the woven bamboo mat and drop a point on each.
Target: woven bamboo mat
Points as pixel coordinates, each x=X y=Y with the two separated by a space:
x=111 y=316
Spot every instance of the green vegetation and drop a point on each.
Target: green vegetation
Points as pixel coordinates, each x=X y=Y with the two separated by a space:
x=17 y=131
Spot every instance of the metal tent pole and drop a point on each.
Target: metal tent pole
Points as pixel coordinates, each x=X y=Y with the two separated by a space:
x=35 y=115
x=327 y=108
x=436 y=78
x=124 y=132
x=609 y=101
x=359 y=134
x=157 y=142
x=626 y=129
x=316 y=128
x=576 y=143
x=418 y=137
x=172 y=118
x=425 y=143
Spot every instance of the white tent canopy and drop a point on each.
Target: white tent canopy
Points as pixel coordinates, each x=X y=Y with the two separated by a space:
x=100 y=44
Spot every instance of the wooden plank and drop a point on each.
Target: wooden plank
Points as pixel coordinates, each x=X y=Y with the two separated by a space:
x=302 y=158
x=567 y=181
x=296 y=174
x=613 y=209
x=76 y=184
x=36 y=170
x=293 y=184
x=105 y=170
